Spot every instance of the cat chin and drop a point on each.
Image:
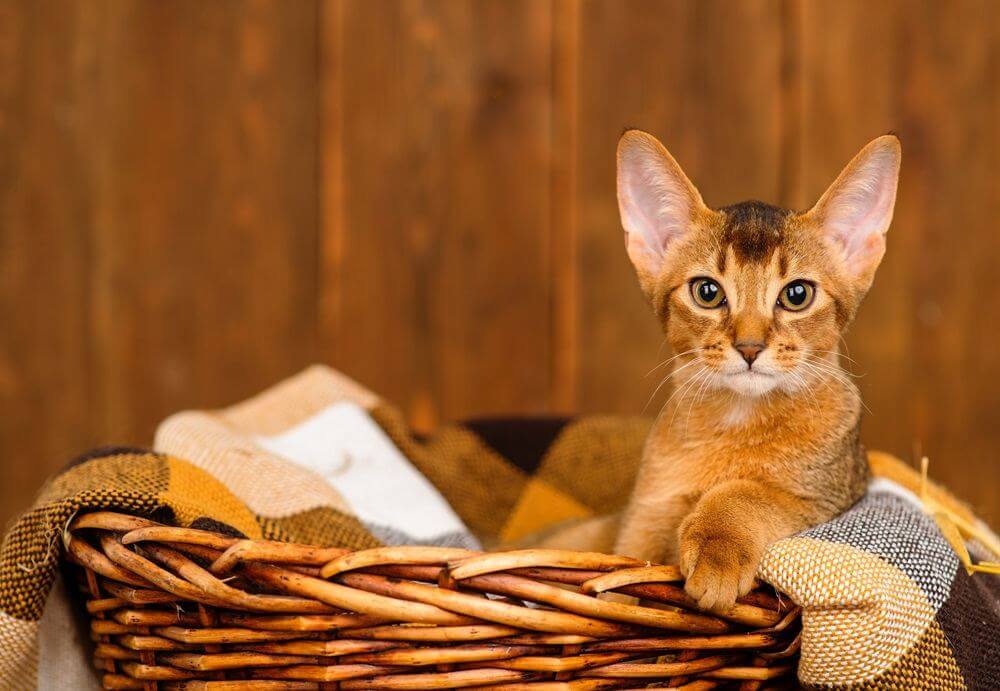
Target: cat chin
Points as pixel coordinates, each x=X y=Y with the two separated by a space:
x=751 y=384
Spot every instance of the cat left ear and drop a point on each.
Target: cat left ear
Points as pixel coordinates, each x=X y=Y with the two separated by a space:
x=855 y=212
x=656 y=200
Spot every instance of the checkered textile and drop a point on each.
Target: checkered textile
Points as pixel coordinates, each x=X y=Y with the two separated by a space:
x=319 y=459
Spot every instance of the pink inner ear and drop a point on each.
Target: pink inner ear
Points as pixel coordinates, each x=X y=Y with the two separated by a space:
x=857 y=212
x=858 y=230
x=655 y=208
x=866 y=256
x=860 y=243
x=639 y=210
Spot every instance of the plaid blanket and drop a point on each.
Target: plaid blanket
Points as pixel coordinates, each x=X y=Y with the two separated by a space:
x=319 y=459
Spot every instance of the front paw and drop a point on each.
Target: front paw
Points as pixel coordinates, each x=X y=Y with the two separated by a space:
x=717 y=570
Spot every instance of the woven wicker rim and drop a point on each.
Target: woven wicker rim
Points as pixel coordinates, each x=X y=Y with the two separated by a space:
x=179 y=608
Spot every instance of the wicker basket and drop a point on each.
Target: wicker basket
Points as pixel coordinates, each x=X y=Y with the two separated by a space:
x=176 y=608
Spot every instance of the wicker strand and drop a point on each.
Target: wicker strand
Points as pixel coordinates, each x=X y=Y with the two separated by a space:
x=179 y=608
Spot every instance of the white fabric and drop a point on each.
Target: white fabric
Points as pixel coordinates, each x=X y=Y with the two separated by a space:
x=352 y=453
x=883 y=484
x=63 y=654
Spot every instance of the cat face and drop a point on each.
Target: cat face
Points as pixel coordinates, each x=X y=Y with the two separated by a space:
x=755 y=297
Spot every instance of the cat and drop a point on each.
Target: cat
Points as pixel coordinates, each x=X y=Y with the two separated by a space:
x=760 y=438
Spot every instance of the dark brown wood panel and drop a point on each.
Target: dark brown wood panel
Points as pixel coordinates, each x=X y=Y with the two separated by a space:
x=436 y=289
x=845 y=82
x=954 y=160
x=706 y=78
x=206 y=205
x=922 y=338
x=197 y=199
x=44 y=254
x=564 y=235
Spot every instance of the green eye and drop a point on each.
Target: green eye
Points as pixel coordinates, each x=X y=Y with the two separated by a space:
x=707 y=293
x=797 y=295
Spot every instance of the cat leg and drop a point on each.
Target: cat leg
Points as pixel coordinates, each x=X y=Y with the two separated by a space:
x=649 y=526
x=649 y=531
x=724 y=538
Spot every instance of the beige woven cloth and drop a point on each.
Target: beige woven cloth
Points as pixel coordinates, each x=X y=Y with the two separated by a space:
x=319 y=459
x=304 y=461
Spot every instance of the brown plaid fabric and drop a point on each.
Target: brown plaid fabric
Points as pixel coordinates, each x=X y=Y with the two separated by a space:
x=886 y=603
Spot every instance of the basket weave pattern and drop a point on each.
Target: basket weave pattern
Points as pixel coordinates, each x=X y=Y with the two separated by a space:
x=177 y=608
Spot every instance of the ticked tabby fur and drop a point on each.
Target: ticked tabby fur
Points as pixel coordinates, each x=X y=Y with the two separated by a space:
x=760 y=437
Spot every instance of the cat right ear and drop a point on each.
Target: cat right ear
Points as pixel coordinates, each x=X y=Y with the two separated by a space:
x=656 y=200
x=855 y=212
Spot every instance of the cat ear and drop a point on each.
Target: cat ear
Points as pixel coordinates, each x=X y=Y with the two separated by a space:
x=855 y=212
x=656 y=200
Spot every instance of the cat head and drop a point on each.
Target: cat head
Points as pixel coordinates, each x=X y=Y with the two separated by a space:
x=756 y=294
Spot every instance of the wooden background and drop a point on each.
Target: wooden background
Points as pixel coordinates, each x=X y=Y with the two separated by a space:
x=199 y=198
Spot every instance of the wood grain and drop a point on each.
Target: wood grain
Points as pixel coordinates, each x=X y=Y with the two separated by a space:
x=564 y=233
x=681 y=71
x=920 y=341
x=205 y=267
x=845 y=82
x=197 y=199
x=954 y=69
x=438 y=272
x=45 y=202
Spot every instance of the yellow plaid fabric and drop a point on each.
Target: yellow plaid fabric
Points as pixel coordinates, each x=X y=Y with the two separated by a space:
x=885 y=604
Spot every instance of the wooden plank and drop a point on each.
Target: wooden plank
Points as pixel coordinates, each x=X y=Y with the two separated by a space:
x=436 y=271
x=565 y=213
x=706 y=78
x=922 y=337
x=948 y=110
x=848 y=99
x=44 y=256
x=206 y=205
x=159 y=203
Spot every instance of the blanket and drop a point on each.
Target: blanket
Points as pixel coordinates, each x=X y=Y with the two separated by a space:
x=318 y=459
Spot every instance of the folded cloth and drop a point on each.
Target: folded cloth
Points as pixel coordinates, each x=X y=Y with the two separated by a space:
x=307 y=458
x=885 y=602
x=319 y=459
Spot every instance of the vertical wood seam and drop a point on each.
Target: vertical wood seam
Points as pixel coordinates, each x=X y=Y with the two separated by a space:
x=791 y=108
x=317 y=174
x=563 y=227
x=101 y=260
x=330 y=184
x=92 y=381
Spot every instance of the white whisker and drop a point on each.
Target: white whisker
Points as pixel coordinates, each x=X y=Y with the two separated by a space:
x=804 y=386
x=688 y=386
x=834 y=352
x=669 y=360
x=825 y=363
x=656 y=391
x=665 y=379
x=696 y=399
x=830 y=372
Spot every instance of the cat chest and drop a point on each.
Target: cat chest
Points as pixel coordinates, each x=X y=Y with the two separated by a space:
x=699 y=466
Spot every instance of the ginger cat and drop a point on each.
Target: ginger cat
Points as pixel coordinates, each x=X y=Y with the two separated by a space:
x=760 y=438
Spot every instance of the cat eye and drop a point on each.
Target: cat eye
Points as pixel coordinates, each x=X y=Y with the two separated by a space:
x=797 y=295
x=707 y=293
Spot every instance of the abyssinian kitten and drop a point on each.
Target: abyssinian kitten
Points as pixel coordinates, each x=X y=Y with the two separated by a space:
x=760 y=437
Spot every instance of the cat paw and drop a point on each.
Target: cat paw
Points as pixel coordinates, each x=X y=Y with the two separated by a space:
x=717 y=571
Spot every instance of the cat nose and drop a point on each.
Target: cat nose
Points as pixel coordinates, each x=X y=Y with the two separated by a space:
x=750 y=350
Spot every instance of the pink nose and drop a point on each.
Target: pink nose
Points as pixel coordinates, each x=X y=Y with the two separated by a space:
x=750 y=350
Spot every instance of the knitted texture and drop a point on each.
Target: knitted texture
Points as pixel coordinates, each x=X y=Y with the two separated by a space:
x=885 y=602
